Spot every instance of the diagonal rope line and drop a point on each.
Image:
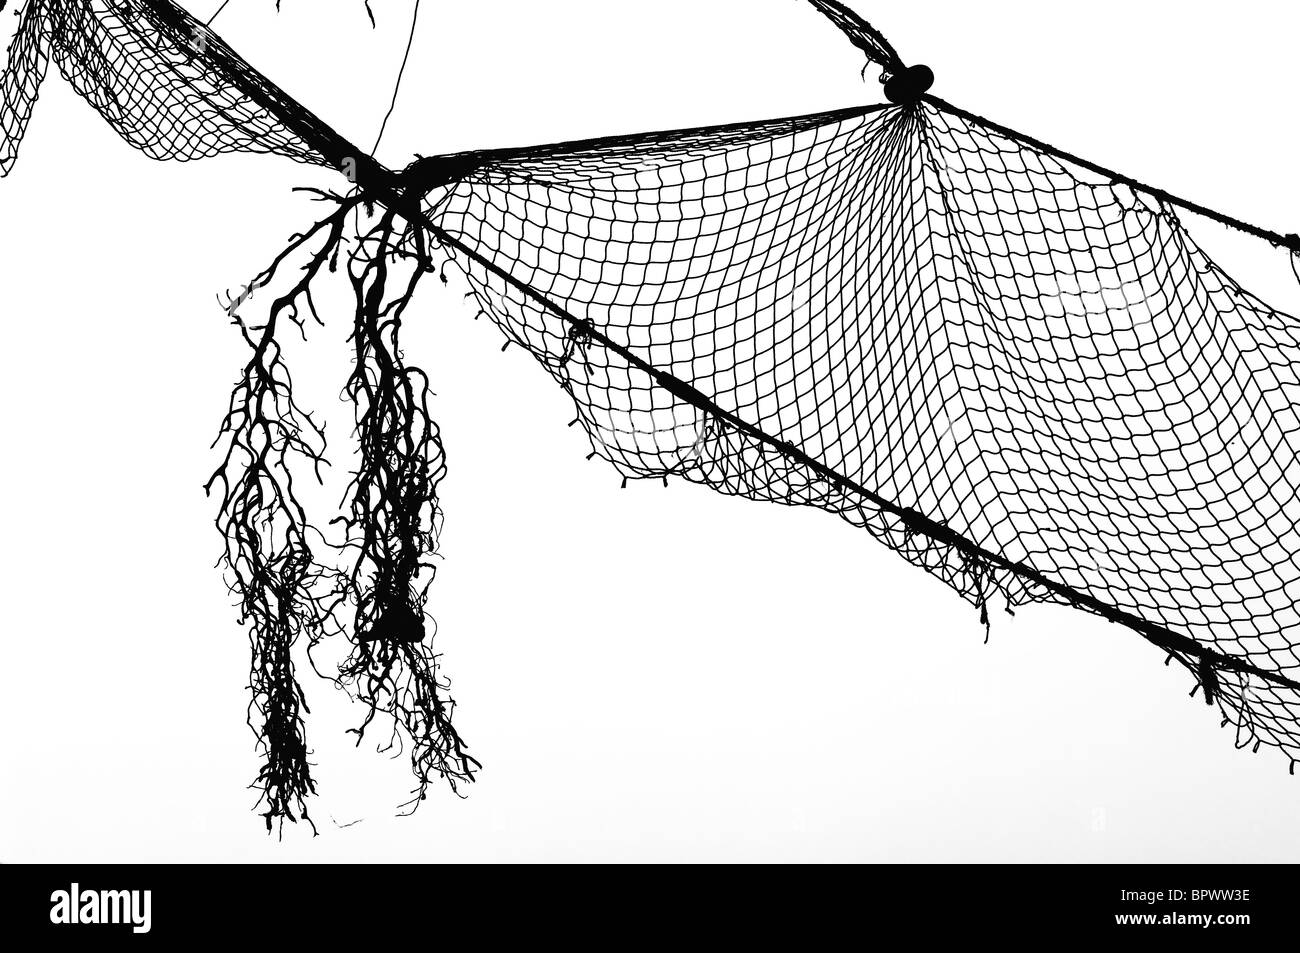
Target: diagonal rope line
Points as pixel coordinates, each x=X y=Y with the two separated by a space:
x=1289 y=241
x=917 y=522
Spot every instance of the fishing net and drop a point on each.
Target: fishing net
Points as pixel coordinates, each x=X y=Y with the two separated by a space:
x=1014 y=368
x=141 y=73
x=1039 y=361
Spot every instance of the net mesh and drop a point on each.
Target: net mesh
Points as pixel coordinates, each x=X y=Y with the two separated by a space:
x=1021 y=374
x=1040 y=361
x=142 y=76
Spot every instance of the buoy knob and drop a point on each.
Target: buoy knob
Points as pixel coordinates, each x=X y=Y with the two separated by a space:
x=908 y=86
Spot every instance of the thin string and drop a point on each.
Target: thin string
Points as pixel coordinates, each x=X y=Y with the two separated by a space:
x=224 y=4
x=410 y=40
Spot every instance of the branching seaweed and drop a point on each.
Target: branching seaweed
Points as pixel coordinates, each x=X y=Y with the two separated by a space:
x=269 y=560
x=394 y=516
x=390 y=524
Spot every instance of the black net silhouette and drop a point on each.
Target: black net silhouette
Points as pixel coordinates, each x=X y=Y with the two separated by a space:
x=144 y=74
x=1039 y=361
x=1013 y=367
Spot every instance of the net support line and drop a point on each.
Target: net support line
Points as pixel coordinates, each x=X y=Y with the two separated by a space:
x=1290 y=241
x=917 y=522
x=388 y=188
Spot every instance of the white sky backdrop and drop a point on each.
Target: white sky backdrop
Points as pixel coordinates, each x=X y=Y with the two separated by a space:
x=648 y=674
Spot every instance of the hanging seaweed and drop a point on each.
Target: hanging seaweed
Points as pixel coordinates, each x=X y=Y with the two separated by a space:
x=270 y=555
x=393 y=516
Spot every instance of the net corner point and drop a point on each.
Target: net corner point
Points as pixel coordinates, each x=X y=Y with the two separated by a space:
x=909 y=85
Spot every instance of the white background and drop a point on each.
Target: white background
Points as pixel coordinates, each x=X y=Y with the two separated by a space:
x=647 y=674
